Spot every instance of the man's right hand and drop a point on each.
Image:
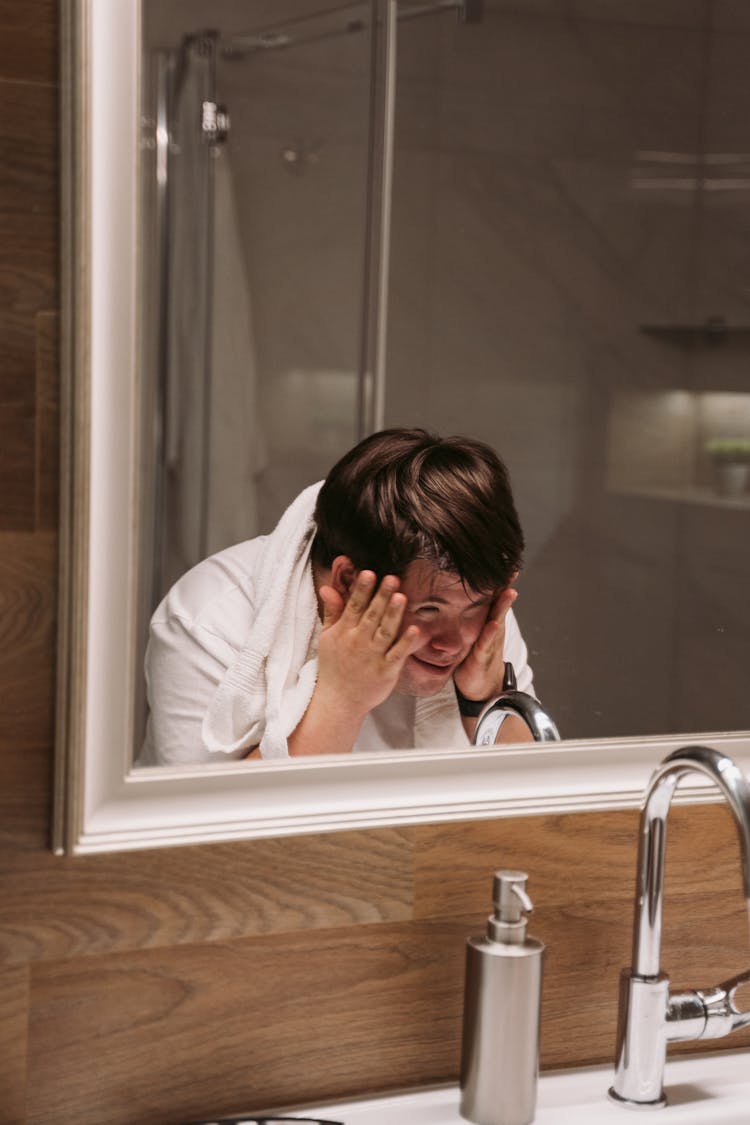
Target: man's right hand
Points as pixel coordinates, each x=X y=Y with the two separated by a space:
x=361 y=652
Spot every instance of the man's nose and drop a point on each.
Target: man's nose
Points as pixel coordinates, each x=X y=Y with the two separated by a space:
x=447 y=639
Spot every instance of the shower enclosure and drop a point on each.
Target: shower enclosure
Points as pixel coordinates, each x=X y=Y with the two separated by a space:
x=260 y=208
x=525 y=222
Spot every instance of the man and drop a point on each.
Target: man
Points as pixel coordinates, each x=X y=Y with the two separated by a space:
x=376 y=616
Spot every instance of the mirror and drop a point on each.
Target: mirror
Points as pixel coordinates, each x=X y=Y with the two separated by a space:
x=525 y=207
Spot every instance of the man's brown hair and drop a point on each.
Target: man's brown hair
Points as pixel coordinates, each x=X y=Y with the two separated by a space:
x=406 y=494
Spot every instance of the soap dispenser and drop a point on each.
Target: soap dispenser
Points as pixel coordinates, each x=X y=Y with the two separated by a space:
x=502 y=1004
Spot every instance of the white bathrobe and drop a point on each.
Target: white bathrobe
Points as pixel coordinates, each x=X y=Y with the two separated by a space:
x=232 y=659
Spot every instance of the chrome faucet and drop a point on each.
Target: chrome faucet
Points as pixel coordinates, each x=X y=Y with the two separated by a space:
x=650 y=1017
x=520 y=703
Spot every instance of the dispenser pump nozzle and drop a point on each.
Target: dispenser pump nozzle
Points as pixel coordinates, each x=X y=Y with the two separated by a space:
x=512 y=904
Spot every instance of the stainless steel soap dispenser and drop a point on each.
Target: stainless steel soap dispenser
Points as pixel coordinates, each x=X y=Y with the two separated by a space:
x=502 y=1005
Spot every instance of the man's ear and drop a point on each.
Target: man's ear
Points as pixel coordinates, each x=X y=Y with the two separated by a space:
x=343 y=573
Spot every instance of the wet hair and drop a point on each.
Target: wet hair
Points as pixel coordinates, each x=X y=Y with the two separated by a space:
x=403 y=495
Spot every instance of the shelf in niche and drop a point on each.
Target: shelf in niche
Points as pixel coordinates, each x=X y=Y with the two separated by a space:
x=711 y=331
x=684 y=494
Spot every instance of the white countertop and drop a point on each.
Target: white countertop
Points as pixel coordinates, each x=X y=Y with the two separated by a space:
x=709 y=1089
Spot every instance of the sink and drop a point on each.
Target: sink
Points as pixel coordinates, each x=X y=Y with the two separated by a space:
x=701 y=1090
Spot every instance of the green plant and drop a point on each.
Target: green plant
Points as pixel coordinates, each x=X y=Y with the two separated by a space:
x=729 y=449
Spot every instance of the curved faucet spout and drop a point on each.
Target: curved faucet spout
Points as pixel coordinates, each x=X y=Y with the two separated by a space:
x=651 y=1016
x=649 y=898
x=518 y=703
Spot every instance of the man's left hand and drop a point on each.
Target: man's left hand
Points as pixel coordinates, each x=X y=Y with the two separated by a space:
x=480 y=675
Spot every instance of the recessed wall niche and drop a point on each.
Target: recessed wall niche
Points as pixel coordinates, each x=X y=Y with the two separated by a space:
x=677 y=445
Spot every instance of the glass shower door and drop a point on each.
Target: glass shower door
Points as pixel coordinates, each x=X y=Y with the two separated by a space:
x=260 y=210
x=291 y=222
x=256 y=263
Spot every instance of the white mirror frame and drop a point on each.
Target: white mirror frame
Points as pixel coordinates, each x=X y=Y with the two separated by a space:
x=101 y=803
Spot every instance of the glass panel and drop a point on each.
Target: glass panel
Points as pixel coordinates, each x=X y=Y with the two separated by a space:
x=256 y=152
x=569 y=283
x=298 y=156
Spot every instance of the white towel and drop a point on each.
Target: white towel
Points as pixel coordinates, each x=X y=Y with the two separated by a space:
x=265 y=692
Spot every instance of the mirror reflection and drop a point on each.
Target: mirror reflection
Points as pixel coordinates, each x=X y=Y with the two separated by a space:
x=530 y=232
x=376 y=616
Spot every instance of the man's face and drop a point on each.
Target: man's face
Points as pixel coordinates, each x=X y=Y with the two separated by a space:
x=450 y=618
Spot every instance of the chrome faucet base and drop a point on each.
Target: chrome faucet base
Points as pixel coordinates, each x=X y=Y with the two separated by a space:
x=628 y=1103
x=641 y=1039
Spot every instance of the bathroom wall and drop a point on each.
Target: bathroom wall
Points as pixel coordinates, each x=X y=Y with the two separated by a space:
x=157 y=987
x=566 y=175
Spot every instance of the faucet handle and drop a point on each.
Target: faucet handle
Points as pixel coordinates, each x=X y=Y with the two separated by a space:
x=721 y=1012
x=739 y=1018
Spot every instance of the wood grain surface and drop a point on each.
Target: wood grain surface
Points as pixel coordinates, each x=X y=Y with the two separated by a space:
x=57 y=907
x=251 y=1023
x=47 y=436
x=28 y=43
x=14 y=1019
x=28 y=574
x=28 y=279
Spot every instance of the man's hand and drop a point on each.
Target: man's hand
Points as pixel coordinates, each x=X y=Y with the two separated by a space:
x=480 y=675
x=360 y=651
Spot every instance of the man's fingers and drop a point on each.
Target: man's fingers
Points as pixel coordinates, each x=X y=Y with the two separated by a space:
x=502 y=604
x=384 y=603
x=360 y=595
x=389 y=620
x=376 y=616
x=368 y=609
x=408 y=643
x=486 y=642
x=484 y=646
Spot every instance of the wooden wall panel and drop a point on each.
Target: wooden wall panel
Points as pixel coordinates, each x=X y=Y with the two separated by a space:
x=47 y=435
x=24 y=815
x=278 y=1017
x=449 y=877
x=14 y=1016
x=56 y=907
x=28 y=43
x=28 y=280
x=234 y=1027
x=455 y=862
x=28 y=564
